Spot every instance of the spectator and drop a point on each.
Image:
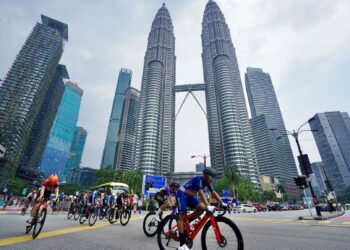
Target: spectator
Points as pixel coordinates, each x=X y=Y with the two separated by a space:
x=139 y=205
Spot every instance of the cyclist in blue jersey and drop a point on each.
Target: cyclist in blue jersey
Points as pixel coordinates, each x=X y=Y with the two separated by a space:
x=186 y=196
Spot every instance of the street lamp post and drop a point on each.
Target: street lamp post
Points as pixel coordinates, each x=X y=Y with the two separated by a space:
x=295 y=134
x=204 y=158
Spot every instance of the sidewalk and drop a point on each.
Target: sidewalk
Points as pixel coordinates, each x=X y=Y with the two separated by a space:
x=325 y=216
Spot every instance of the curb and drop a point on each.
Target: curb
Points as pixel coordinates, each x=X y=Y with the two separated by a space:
x=322 y=217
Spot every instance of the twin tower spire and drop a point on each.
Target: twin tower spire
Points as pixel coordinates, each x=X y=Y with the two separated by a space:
x=230 y=137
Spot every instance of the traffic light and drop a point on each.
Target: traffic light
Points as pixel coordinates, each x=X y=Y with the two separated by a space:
x=151 y=184
x=301 y=182
x=147 y=186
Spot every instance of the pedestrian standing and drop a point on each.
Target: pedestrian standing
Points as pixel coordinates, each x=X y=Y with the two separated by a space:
x=139 y=205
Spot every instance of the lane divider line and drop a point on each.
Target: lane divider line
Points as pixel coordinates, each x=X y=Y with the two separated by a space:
x=43 y=235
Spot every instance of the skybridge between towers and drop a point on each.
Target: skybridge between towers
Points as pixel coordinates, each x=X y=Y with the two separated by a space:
x=190 y=88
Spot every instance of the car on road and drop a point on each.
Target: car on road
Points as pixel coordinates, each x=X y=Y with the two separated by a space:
x=259 y=207
x=244 y=208
x=274 y=207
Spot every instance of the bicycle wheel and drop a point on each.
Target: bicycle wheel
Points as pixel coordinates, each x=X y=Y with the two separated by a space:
x=231 y=237
x=125 y=216
x=93 y=217
x=150 y=224
x=111 y=216
x=39 y=223
x=166 y=241
x=28 y=228
x=101 y=214
x=70 y=213
x=78 y=212
x=82 y=218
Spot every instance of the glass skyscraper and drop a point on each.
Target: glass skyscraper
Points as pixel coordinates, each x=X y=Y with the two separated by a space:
x=76 y=150
x=42 y=126
x=61 y=136
x=128 y=130
x=109 y=151
x=230 y=138
x=26 y=85
x=333 y=142
x=266 y=114
x=156 y=132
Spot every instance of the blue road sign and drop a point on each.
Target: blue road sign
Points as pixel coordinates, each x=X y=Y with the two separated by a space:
x=152 y=183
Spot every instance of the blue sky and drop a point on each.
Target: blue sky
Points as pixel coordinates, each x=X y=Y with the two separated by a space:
x=302 y=44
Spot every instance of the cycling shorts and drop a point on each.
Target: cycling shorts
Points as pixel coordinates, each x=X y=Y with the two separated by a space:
x=184 y=200
x=47 y=194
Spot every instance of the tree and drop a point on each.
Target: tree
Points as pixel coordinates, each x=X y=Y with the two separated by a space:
x=69 y=188
x=280 y=188
x=104 y=176
x=247 y=191
x=16 y=185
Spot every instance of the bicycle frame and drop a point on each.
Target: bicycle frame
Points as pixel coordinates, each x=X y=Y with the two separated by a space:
x=198 y=226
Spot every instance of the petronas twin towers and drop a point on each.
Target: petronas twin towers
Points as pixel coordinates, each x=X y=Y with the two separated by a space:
x=230 y=138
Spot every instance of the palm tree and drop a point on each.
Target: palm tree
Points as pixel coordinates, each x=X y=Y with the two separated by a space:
x=280 y=188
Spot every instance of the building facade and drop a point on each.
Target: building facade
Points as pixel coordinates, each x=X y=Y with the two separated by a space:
x=182 y=177
x=109 y=151
x=26 y=85
x=76 y=150
x=332 y=136
x=156 y=129
x=56 y=153
x=230 y=138
x=263 y=101
x=128 y=130
x=84 y=177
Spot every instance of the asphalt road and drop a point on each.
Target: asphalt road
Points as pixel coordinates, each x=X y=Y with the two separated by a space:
x=270 y=230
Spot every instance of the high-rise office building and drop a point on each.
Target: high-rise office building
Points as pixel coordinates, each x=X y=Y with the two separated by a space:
x=128 y=130
x=156 y=129
x=263 y=102
x=42 y=126
x=109 y=151
x=58 y=146
x=76 y=150
x=26 y=84
x=230 y=138
x=318 y=179
x=331 y=131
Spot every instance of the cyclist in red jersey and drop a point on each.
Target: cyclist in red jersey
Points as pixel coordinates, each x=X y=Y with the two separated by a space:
x=49 y=185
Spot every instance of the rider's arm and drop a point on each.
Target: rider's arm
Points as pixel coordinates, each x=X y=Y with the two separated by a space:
x=203 y=198
x=171 y=201
x=42 y=192
x=216 y=196
x=56 y=192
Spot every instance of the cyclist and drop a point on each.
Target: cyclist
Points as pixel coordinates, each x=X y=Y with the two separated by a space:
x=186 y=196
x=31 y=197
x=165 y=199
x=121 y=200
x=49 y=185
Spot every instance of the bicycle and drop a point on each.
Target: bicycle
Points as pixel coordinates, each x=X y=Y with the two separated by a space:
x=150 y=222
x=24 y=207
x=38 y=220
x=215 y=233
x=73 y=209
x=123 y=214
x=91 y=215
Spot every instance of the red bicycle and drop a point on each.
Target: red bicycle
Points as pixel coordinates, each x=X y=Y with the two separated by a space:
x=218 y=231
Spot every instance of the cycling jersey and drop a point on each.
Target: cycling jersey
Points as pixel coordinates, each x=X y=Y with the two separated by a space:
x=196 y=184
x=111 y=199
x=185 y=199
x=162 y=195
x=121 y=198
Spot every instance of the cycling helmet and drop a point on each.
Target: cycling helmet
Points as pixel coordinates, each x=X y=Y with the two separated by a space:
x=174 y=184
x=33 y=191
x=53 y=179
x=210 y=171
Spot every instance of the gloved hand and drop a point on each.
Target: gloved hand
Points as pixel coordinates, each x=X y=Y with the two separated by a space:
x=223 y=204
x=210 y=208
